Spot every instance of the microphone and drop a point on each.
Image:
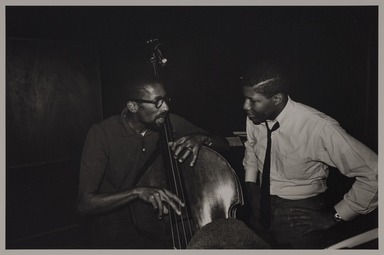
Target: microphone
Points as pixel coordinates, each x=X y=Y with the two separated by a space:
x=157 y=56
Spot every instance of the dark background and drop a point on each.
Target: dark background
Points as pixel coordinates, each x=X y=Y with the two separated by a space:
x=67 y=68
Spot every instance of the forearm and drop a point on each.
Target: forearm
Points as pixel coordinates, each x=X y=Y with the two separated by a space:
x=252 y=194
x=354 y=160
x=356 y=202
x=92 y=203
x=362 y=198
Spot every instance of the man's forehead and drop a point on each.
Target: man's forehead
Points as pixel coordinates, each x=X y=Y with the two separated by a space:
x=155 y=89
x=251 y=92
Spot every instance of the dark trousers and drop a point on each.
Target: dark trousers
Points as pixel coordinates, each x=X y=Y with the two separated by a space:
x=117 y=231
x=282 y=234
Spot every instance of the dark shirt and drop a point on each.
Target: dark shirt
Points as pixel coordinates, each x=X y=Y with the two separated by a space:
x=113 y=157
x=114 y=153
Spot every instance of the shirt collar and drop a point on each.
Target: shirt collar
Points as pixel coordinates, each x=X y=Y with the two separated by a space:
x=283 y=115
x=126 y=128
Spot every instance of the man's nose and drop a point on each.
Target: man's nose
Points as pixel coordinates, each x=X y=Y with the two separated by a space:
x=165 y=106
x=246 y=105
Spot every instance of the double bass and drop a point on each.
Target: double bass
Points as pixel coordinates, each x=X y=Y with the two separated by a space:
x=210 y=189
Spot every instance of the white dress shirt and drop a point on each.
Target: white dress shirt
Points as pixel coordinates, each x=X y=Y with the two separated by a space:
x=307 y=142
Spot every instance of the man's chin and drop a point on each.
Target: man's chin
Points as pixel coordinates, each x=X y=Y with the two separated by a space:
x=256 y=121
x=156 y=126
x=160 y=121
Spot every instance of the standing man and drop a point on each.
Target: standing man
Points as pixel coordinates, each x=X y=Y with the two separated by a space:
x=289 y=149
x=115 y=153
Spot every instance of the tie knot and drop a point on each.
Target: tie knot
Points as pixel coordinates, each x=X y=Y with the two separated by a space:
x=275 y=126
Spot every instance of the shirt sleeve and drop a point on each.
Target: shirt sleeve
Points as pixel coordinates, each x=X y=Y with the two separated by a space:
x=352 y=159
x=94 y=160
x=250 y=160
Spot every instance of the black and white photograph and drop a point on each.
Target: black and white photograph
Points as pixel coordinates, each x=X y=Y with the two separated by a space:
x=190 y=126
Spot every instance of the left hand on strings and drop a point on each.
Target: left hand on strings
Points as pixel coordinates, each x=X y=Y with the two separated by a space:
x=188 y=145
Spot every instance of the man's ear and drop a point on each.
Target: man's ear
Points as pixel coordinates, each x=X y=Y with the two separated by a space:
x=278 y=98
x=132 y=106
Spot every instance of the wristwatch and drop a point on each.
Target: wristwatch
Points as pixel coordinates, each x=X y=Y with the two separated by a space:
x=337 y=216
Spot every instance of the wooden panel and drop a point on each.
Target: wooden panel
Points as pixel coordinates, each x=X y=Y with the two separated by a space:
x=53 y=95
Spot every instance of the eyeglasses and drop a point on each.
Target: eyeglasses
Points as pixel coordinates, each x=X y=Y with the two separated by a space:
x=158 y=102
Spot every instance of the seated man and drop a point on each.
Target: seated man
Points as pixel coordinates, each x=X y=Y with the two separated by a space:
x=116 y=153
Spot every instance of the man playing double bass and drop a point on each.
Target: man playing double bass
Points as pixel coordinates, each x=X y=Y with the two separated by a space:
x=118 y=151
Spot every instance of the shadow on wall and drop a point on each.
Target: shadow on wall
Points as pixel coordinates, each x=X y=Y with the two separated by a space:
x=53 y=96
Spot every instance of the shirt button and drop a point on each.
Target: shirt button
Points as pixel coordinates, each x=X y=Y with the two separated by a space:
x=143 y=149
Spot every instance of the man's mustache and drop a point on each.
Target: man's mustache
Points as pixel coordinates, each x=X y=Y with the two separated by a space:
x=162 y=115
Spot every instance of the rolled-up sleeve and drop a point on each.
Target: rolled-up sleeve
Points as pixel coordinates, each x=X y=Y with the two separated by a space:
x=250 y=162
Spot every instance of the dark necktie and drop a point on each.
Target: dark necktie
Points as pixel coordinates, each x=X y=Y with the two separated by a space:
x=265 y=201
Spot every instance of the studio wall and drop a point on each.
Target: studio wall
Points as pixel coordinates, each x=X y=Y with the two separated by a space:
x=53 y=95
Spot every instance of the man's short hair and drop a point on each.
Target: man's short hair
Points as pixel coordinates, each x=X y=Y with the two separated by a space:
x=266 y=78
x=136 y=87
